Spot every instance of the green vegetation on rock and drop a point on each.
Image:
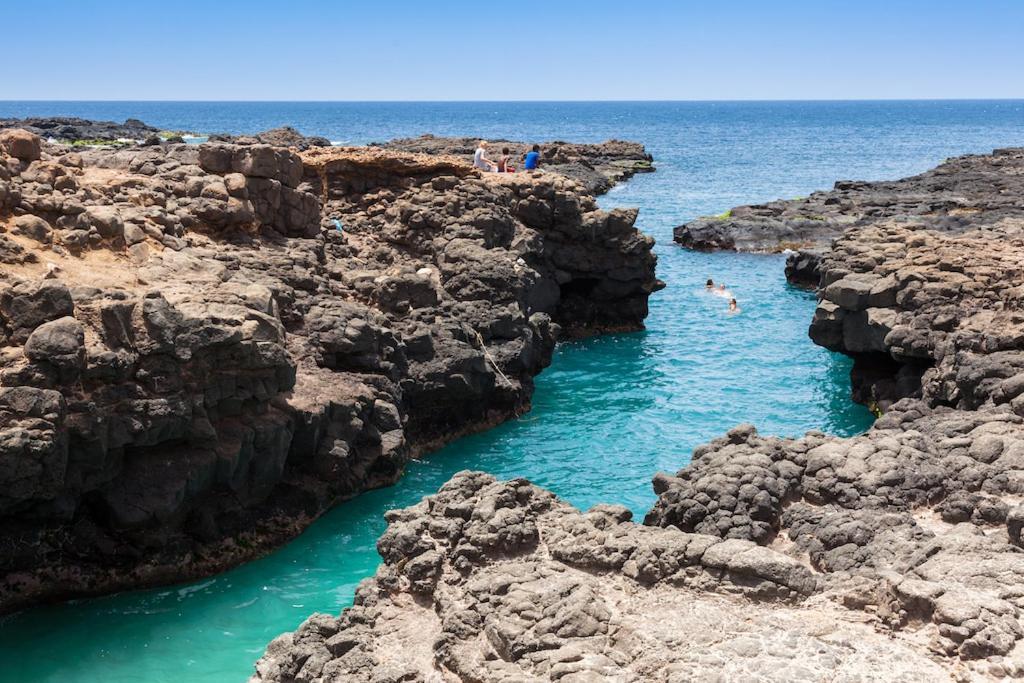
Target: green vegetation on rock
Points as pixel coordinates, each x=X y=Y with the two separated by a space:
x=98 y=143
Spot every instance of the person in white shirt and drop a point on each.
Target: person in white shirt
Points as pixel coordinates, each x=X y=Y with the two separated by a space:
x=480 y=159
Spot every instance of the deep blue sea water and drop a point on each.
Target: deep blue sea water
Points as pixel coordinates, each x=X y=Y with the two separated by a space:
x=608 y=414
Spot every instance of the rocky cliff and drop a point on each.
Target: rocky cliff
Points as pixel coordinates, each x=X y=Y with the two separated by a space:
x=204 y=347
x=895 y=555
x=918 y=521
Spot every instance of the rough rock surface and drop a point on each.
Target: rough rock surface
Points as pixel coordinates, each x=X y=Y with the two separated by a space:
x=921 y=516
x=910 y=522
x=285 y=136
x=929 y=313
x=195 y=362
x=597 y=167
x=65 y=129
x=501 y=581
x=957 y=192
x=894 y=555
x=70 y=128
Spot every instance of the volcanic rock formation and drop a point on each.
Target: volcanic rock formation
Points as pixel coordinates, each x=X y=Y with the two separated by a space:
x=285 y=136
x=204 y=347
x=896 y=555
x=70 y=128
x=501 y=581
x=598 y=167
x=918 y=520
x=957 y=193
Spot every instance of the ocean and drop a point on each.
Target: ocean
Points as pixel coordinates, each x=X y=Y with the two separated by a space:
x=608 y=414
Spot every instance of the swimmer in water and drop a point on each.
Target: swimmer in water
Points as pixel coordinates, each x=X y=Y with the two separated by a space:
x=710 y=284
x=733 y=306
x=721 y=291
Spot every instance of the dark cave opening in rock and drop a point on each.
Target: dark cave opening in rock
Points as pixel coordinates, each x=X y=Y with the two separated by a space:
x=878 y=380
x=579 y=287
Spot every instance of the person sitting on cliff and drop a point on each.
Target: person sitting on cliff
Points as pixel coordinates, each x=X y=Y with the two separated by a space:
x=480 y=159
x=532 y=159
x=503 y=163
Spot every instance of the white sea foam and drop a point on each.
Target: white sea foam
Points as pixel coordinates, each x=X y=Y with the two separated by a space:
x=188 y=590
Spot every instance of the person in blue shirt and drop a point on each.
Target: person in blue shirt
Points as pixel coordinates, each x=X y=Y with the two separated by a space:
x=532 y=159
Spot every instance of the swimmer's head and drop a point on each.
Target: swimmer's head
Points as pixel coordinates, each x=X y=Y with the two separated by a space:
x=732 y=305
x=721 y=287
x=710 y=283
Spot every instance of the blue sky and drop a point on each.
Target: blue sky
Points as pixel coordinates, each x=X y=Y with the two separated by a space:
x=540 y=50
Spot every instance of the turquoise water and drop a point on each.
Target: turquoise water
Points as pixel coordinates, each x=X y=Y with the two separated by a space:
x=607 y=415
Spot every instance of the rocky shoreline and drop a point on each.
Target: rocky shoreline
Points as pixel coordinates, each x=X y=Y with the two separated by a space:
x=597 y=167
x=206 y=346
x=69 y=129
x=949 y=198
x=895 y=555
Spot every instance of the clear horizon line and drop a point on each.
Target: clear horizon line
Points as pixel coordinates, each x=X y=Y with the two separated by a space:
x=532 y=101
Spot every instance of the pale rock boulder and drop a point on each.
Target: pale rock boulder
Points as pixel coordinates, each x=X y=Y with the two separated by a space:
x=20 y=144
